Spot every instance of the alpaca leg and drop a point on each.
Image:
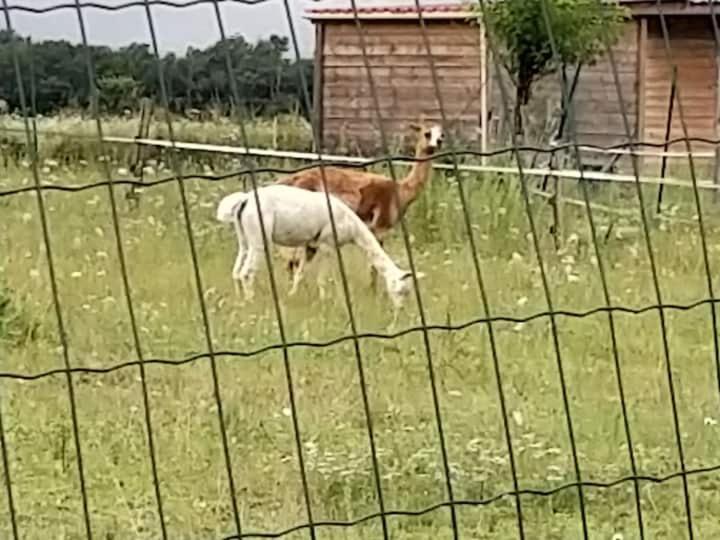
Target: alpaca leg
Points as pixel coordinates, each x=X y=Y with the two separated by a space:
x=239 y=259
x=293 y=262
x=247 y=273
x=298 y=274
x=393 y=322
x=373 y=278
x=237 y=267
x=374 y=272
x=307 y=254
x=321 y=275
x=397 y=309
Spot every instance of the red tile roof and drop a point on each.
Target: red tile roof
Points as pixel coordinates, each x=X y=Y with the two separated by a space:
x=391 y=10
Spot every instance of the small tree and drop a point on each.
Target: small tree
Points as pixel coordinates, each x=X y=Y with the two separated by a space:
x=581 y=30
x=118 y=93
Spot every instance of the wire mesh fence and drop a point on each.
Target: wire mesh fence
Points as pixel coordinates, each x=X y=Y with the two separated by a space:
x=551 y=380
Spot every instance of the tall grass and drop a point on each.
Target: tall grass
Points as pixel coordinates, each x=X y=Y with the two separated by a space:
x=329 y=404
x=70 y=139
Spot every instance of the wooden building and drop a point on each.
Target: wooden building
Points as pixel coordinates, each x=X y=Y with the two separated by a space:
x=396 y=54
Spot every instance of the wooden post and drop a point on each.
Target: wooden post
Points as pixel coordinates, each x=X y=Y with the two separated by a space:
x=137 y=168
x=33 y=100
x=565 y=109
x=483 y=94
x=318 y=80
x=275 y=133
x=641 y=75
x=668 y=132
x=716 y=163
x=557 y=206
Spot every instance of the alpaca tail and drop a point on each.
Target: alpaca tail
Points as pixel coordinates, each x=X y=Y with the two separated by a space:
x=229 y=205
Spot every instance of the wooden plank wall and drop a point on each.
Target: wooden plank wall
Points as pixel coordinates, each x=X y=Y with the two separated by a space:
x=598 y=119
x=693 y=51
x=598 y=110
x=402 y=75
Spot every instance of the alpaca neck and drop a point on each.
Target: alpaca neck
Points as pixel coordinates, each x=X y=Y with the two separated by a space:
x=412 y=185
x=379 y=260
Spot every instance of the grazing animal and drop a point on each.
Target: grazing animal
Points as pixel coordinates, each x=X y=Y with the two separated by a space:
x=373 y=196
x=294 y=217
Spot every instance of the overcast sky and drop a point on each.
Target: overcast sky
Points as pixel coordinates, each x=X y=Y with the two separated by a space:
x=176 y=28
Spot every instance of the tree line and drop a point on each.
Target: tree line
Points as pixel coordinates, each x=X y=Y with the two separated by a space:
x=55 y=76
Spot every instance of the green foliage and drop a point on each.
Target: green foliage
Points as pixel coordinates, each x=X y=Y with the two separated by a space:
x=580 y=29
x=15 y=324
x=118 y=92
x=55 y=73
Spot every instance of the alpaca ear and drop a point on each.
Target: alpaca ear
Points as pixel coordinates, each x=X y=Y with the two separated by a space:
x=418 y=275
x=415 y=126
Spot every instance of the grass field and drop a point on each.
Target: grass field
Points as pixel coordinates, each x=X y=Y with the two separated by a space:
x=193 y=479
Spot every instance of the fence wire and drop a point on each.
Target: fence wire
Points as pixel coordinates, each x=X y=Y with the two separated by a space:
x=287 y=348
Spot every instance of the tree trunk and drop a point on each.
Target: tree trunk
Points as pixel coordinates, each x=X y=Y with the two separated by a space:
x=517 y=121
x=522 y=97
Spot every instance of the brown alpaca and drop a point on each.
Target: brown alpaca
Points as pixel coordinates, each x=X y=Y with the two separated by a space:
x=373 y=196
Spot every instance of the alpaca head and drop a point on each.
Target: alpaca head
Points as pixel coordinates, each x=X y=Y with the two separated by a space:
x=400 y=285
x=429 y=138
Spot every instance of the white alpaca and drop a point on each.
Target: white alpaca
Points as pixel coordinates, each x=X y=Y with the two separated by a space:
x=295 y=217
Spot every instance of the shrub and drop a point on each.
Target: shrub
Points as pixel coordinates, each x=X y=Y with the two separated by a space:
x=16 y=325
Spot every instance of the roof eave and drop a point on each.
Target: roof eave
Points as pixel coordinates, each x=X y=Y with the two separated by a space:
x=457 y=15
